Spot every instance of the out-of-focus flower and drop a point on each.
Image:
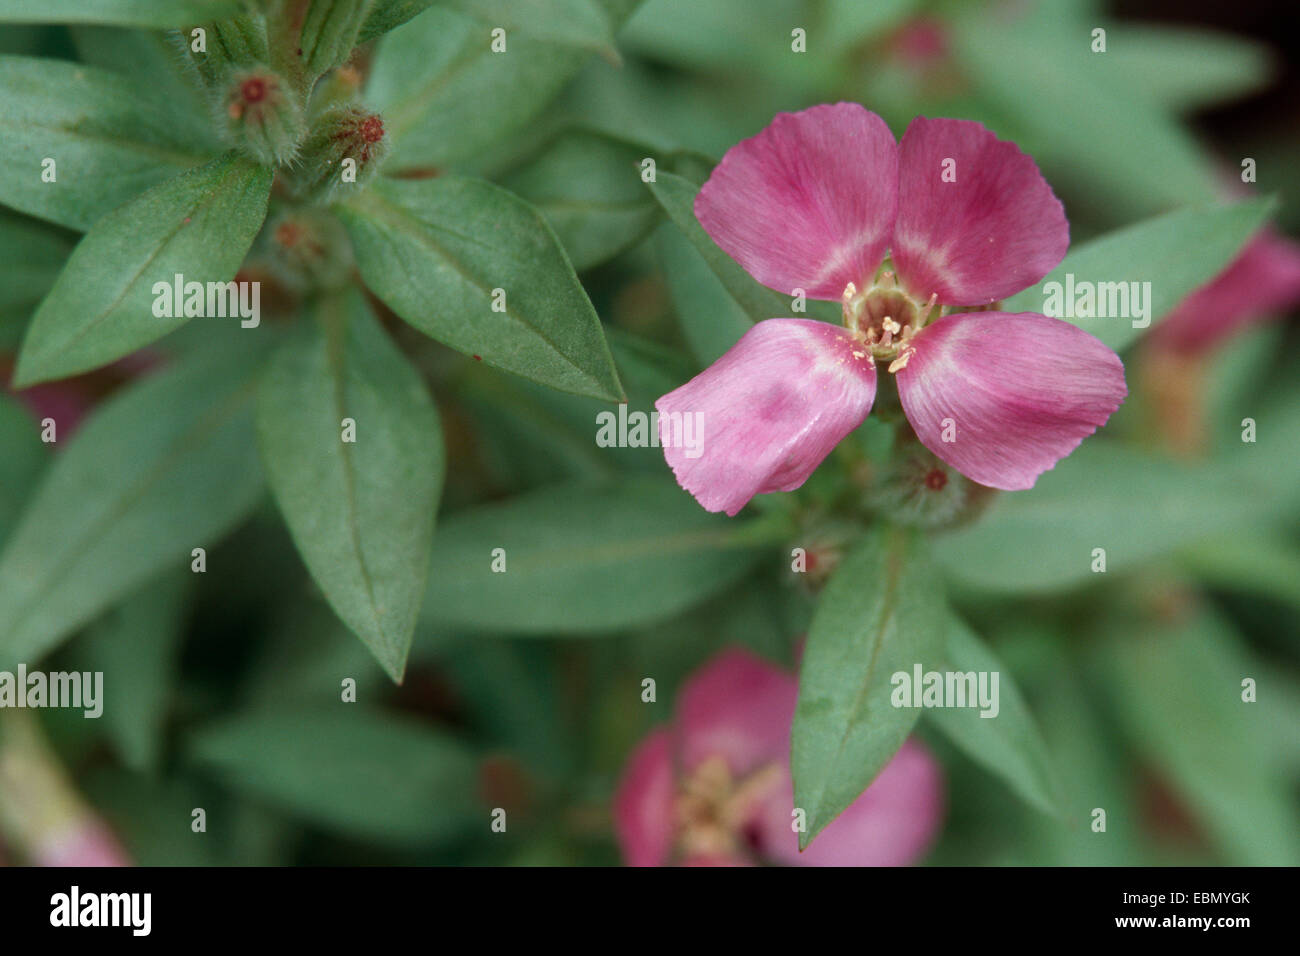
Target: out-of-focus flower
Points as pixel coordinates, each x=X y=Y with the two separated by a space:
x=715 y=788
x=811 y=205
x=1263 y=280
x=42 y=816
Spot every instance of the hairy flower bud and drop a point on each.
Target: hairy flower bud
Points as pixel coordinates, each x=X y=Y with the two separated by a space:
x=213 y=49
x=344 y=148
x=919 y=489
x=308 y=250
x=263 y=116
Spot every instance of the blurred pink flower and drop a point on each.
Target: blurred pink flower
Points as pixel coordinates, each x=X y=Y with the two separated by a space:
x=87 y=843
x=715 y=788
x=811 y=205
x=1263 y=280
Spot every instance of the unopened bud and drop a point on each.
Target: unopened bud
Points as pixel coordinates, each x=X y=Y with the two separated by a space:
x=919 y=489
x=343 y=150
x=308 y=249
x=263 y=116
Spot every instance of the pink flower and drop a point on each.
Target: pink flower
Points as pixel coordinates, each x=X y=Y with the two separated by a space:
x=814 y=203
x=1263 y=279
x=715 y=789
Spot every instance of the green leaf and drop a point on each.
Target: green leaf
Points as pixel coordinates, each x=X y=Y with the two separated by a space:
x=1255 y=564
x=153 y=14
x=388 y=15
x=360 y=513
x=136 y=646
x=677 y=196
x=582 y=558
x=434 y=250
x=588 y=186
x=366 y=774
x=35 y=253
x=880 y=614
x=1186 y=69
x=148 y=61
x=711 y=320
x=445 y=95
x=1176 y=253
x=1083 y=118
x=1178 y=691
x=1135 y=506
x=1008 y=743
x=198 y=225
x=109 y=138
x=580 y=23
x=24 y=455
x=166 y=466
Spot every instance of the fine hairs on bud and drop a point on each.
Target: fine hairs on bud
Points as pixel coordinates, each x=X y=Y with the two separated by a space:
x=343 y=150
x=262 y=115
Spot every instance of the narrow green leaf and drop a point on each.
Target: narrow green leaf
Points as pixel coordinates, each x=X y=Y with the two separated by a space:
x=588 y=186
x=711 y=320
x=445 y=95
x=580 y=23
x=388 y=15
x=1083 y=118
x=166 y=466
x=677 y=196
x=135 y=647
x=435 y=250
x=880 y=614
x=1007 y=743
x=24 y=456
x=198 y=225
x=1178 y=691
x=362 y=773
x=361 y=513
x=35 y=253
x=108 y=137
x=1176 y=253
x=1132 y=505
x=153 y=14
x=582 y=558
x=1186 y=69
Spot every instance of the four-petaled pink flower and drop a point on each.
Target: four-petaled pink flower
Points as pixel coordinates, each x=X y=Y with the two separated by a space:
x=813 y=203
x=715 y=788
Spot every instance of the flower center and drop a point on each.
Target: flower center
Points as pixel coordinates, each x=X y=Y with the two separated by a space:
x=885 y=318
x=713 y=808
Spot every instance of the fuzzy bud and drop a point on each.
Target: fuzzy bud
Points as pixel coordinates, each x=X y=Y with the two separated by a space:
x=308 y=250
x=343 y=150
x=263 y=116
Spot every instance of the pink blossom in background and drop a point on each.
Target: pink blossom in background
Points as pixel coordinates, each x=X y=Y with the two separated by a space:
x=814 y=203
x=87 y=843
x=715 y=788
x=1263 y=280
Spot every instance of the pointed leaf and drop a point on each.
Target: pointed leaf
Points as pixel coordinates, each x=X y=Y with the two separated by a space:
x=167 y=465
x=361 y=513
x=198 y=225
x=880 y=614
x=108 y=136
x=436 y=250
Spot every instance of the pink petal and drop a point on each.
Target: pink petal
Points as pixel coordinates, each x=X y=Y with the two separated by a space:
x=1016 y=393
x=738 y=707
x=768 y=411
x=809 y=202
x=644 y=803
x=1263 y=279
x=996 y=229
x=86 y=842
x=892 y=823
